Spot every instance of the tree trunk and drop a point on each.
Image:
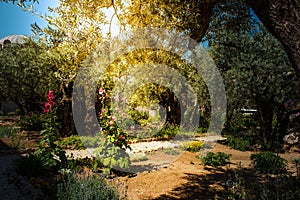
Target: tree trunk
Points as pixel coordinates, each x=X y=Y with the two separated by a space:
x=282 y=19
x=265 y=111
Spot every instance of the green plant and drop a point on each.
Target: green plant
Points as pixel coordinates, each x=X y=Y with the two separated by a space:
x=138 y=157
x=72 y=142
x=90 y=187
x=236 y=188
x=270 y=163
x=170 y=151
x=89 y=141
x=141 y=118
x=296 y=161
x=30 y=166
x=168 y=131
x=7 y=131
x=193 y=146
x=216 y=159
x=111 y=155
x=202 y=130
x=238 y=143
x=31 y=122
x=52 y=155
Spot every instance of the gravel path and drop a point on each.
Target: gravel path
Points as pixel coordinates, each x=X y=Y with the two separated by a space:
x=155 y=159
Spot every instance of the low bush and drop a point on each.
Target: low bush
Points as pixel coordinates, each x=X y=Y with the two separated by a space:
x=194 y=146
x=72 y=142
x=89 y=187
x=239 y=143
x=6 y=131
x=31 y=122
x=216 y=159
x=30 y=166
x=296 y=161
x=269 y=163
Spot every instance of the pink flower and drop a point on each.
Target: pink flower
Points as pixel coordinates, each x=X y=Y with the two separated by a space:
x=114 y=118
x=51 y=95
x=101 y=91
x=132 y=128
x=111 y=123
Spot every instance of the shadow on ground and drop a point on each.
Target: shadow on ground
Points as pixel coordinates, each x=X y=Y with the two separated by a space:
x=247 y=183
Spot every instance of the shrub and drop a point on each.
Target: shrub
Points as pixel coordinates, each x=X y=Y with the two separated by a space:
x=30 y=166
x=90 y=141
x=216 y=159
x=168 y=131
x=238 y=143
x=296 y=161
x=31 y=122
x=87 y=187
x=270 y=163
x=194 y=146
x=72 y=142
x=6 y=131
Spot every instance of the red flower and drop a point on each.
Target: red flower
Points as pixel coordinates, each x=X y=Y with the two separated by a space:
x=48 y=106
x=51 y=95
x=121 y=137
x=105 y=132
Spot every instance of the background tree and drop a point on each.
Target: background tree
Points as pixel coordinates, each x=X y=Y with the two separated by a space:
x=26 y=75
x=254 y=65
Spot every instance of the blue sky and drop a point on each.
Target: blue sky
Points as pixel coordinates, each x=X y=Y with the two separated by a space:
x=13 y=20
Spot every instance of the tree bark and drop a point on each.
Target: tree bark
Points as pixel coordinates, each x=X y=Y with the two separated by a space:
x=282 y=18
x=266 y=114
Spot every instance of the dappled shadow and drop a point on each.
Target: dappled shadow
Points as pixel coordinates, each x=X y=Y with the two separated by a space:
x=199 y=187
x=246 y=181
x=6 y=149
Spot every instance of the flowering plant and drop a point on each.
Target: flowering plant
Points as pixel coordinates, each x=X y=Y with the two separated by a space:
x=49 y=105
x=48 y=149
x=108 y=124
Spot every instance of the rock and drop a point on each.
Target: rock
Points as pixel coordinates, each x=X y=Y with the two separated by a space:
x=292 y=138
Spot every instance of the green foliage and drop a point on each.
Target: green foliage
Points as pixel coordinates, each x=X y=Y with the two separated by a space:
x=296 y=161
x=141 y=118
x=72 y=142
x=170 y=151
x=255 y=75
x=239 y=143
x=77 y=164
x=138 y=157
x=90 y=142
x=216 y=159
x=92 y=187
x=32 y=122
x=48 y=151
x=111 y=155
x=168 y=131
x=6 y=131
x=242 y=124
x=202 y=130
x=30 y=166
x=270 y=163
x=26 y=75
x=193 y=146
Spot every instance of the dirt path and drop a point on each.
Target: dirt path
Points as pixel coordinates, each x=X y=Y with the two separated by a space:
x=186 y=178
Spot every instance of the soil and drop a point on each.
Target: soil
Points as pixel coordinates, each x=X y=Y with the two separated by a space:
x=185 y=178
